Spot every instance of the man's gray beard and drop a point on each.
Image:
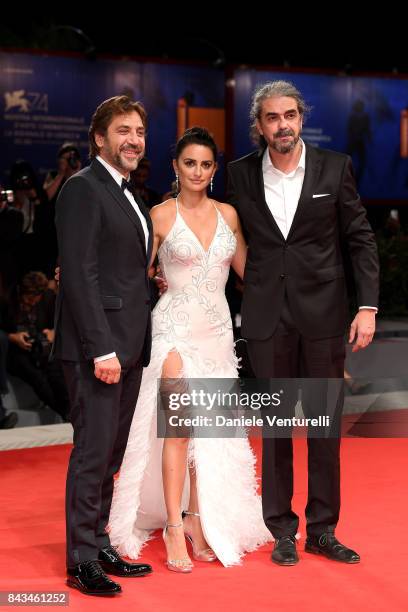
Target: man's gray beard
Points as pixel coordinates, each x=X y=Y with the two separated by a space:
x=120 y=164
x=285 y=148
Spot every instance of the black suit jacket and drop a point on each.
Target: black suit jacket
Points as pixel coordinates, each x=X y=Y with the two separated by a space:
x=103 y=303
x=309 y=263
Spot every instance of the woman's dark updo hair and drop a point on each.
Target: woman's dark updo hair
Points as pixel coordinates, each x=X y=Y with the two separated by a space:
x=199 y=136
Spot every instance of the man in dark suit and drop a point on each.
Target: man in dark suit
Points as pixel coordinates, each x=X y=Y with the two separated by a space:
x=300 y=209
x=103 y=332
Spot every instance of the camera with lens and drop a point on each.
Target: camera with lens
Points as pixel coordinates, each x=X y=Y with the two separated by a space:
x=73 y=160
x=40 y=347
x=6 y=197
x=24 y=182
x=70 y=152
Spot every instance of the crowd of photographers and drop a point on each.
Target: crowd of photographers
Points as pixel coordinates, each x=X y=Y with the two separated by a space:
x=28 y=255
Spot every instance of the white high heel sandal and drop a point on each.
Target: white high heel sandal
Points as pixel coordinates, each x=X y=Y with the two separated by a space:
x=206 y=554
x=184 y=565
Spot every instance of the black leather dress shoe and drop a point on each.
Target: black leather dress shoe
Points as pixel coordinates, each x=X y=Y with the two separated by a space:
x=89 y=578
x=329 y=546
x=112 y=563
x=284 y=552
x=9 y=421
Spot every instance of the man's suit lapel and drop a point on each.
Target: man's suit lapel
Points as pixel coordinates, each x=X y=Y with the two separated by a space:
x=121 y=199
x=312 y=172
x=145 y=212
x=259 y=189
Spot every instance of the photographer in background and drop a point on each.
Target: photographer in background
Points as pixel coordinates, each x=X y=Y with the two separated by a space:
x=30 y=200
x=69 y=163
x=11 y=228
x=139 y=178
x=28 y=319
x=7 y=421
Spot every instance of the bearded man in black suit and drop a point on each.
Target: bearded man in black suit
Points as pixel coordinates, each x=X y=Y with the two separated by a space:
x=102 y=331
x=300 y=210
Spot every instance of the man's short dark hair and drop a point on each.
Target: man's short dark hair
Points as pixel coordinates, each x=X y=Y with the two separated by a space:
x=34 y=283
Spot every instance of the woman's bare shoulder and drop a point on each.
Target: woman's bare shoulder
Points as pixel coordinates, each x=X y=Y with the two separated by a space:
x=163 y=216
x=164 y=210
x=229 y=213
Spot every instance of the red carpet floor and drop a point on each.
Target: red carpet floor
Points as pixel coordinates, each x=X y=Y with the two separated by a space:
x=373 y=520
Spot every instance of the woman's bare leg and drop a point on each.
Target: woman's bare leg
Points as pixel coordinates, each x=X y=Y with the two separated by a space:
x=174 y=467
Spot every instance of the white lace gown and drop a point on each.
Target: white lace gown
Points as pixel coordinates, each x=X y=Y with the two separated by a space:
x=193 y=318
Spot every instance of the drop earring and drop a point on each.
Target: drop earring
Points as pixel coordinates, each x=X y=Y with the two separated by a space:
x=211 y=184
x=177 y=183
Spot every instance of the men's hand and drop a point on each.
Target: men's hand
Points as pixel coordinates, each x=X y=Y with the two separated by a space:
x=362 y=329
x=160 y=281
x=49 y=334
x=108 y=370
x=161 y=284
x=21 y=339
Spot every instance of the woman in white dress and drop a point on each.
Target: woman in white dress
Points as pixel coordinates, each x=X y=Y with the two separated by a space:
x=196 y=240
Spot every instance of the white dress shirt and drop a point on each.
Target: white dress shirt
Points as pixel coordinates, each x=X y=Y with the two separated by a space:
x=282 y=193
x=117 y=176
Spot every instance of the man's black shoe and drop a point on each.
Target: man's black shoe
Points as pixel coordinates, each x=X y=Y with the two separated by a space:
x=9 y=421
x=284 y=552
x=112 y=563
x=329 y=546
x=89 y=578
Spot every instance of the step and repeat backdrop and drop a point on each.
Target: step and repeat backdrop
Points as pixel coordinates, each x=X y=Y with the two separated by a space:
x=363 y=116
x=47 y=100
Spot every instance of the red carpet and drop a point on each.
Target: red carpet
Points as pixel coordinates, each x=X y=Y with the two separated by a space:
x=373 y=521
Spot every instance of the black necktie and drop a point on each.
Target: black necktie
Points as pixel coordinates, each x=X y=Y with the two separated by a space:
x=127 y=185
